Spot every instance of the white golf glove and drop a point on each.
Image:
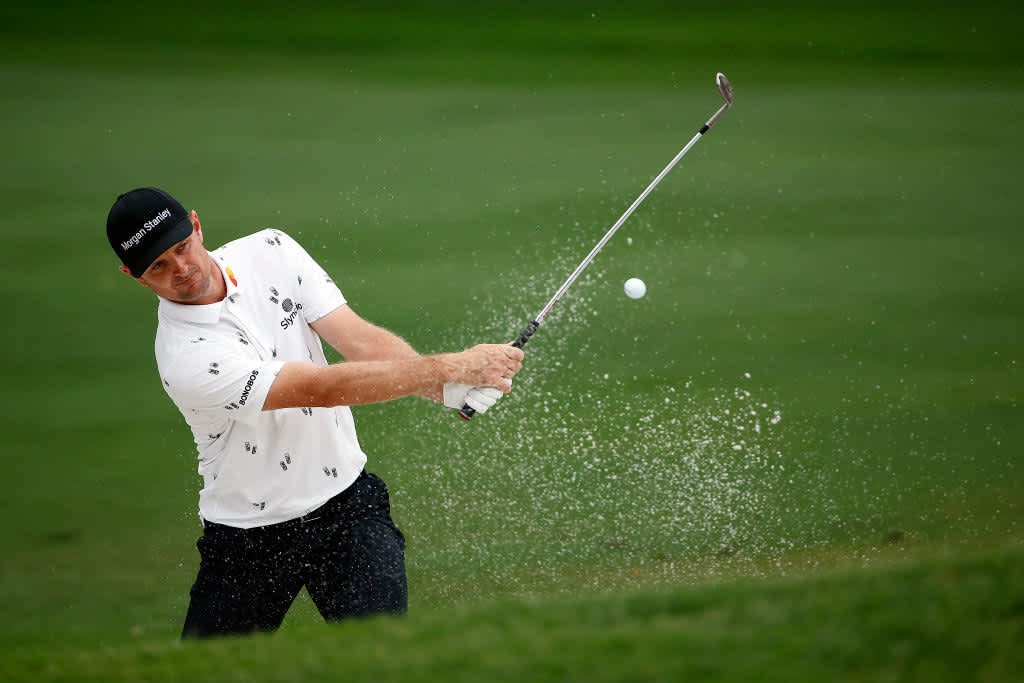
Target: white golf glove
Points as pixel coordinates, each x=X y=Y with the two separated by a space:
x=478 y=398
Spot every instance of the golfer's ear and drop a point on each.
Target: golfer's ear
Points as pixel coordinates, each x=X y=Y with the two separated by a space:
x=196 y=227
x=124 y=269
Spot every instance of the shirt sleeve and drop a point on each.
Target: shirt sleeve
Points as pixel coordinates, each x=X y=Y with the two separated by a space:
x=213 y=375
x=320 y=295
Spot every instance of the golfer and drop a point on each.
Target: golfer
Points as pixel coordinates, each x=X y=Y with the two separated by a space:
x=286 y=501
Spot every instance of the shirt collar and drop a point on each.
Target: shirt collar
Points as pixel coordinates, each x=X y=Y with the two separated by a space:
x=206 y=313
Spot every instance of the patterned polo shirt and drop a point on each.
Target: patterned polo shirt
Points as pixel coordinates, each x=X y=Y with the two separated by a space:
x=217 y=363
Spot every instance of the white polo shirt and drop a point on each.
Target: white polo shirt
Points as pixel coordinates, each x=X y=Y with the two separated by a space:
x=217 y=363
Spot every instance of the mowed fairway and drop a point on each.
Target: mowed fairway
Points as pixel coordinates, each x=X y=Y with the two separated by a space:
x=819 y=394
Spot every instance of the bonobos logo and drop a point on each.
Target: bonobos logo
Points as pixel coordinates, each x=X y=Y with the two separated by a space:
x=248 y=387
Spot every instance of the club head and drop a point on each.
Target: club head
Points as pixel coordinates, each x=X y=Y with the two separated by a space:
x=724 y=87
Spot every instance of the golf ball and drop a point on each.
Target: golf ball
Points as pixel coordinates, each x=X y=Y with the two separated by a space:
x=635 y=288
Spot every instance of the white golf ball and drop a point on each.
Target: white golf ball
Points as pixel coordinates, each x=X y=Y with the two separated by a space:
x=635 y=288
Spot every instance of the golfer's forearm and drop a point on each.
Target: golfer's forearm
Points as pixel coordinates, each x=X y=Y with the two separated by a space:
x=386 y=345
x=359 y=340
x=380 y=344
x=356 y=383
x=433 y=393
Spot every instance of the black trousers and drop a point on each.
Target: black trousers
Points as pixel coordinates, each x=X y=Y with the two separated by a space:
x=348 y=554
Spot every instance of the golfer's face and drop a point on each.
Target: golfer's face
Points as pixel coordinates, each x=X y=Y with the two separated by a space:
x=183 y=273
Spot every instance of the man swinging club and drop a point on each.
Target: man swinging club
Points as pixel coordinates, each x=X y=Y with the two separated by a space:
x=286 y=501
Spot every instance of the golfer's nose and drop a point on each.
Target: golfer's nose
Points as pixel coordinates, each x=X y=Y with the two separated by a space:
x=181 y=264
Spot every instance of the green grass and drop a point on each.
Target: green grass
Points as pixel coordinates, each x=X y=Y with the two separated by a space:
x=934 y=619
x=825 y=368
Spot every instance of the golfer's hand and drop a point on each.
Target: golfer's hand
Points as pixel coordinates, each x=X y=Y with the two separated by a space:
x=480 y=376
x=478 y=398
x=484 y=365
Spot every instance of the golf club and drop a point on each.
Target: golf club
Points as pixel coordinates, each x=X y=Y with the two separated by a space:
x=725 y=88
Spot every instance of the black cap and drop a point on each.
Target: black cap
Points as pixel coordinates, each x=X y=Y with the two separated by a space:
x=144 y=223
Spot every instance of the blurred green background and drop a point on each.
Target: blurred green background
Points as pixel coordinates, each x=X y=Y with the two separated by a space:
x=824 y=372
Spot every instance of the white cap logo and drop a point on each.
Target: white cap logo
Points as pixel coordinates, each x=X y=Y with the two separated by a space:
x=147 y=226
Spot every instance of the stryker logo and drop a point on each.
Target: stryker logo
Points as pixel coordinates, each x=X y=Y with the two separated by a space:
x=147 y=226
x=248 y=387
x=287 y=322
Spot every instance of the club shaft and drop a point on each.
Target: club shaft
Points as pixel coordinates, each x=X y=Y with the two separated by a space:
x=622 y=219
x=726 y=89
